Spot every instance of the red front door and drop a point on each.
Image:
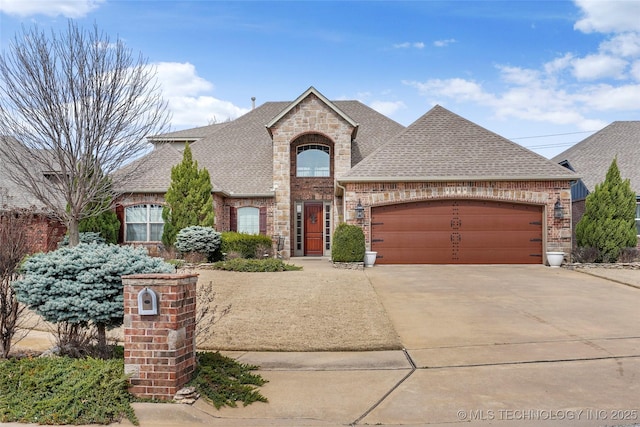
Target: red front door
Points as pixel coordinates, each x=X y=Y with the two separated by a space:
x=313 y=228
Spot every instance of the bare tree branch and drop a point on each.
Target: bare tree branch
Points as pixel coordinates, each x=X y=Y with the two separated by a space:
x=74 y=108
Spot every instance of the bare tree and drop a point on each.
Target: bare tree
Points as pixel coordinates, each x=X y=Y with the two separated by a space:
x=74 y=108
x=13 y=248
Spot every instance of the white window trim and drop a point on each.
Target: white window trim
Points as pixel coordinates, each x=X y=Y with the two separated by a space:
x=147 y=222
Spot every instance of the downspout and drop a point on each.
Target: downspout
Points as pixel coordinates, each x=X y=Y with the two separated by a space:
x=344 y=200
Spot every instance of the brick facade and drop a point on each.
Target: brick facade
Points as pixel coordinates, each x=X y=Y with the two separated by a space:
x=541 y=193
x=159 y=350
x=42 y=233
x=309 y=120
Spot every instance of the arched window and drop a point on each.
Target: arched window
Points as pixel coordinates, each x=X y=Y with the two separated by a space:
x=313 y=161
x=143 y=223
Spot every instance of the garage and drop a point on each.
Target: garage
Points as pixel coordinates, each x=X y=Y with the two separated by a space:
x=457 y=232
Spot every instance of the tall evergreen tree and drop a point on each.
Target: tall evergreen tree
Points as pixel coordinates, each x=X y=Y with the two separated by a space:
x=188 y=199
x=106 y=222
x=608 y=223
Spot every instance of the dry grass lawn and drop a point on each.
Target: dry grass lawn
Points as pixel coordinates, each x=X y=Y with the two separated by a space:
x=320 y=308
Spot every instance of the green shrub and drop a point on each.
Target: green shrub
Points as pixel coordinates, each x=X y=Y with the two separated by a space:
x=608 y=223
x=247 y=245
x=188 y=198
x=348 y=244
x=197 y=239
x=64 y=391
x=224 y=381
x=255 y=265
x=82 y=285
x=85 y=237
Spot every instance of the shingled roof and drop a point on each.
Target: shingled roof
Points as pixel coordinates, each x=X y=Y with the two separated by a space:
x=239 y=154
x=12 y=195
x=442 y=146
x=592 y=157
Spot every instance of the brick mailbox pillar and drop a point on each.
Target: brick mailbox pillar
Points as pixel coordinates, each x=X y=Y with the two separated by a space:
x=159 y=341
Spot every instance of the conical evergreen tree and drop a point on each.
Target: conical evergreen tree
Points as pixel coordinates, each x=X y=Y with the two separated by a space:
x=188 y=199
x=608 y=223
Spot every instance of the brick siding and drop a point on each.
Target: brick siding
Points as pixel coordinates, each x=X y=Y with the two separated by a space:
x=159 y=350
x=542 y=193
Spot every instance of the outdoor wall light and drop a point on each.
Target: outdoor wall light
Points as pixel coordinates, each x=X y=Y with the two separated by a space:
x=359 y=210
x=558 y=212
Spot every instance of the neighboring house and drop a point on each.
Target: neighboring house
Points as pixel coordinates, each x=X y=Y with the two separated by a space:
x=44 y=231
x=592 y=157
x=443 y=190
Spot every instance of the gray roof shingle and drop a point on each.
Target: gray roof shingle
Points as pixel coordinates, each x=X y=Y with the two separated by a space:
x=592 y=157
x=441 y=146
x=150 y=174
x=239 y=154
x=12 y=195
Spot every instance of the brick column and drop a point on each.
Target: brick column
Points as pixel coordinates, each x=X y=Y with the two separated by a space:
x=159 y=350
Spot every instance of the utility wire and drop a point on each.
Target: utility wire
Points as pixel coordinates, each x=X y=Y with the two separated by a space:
x=554 y=134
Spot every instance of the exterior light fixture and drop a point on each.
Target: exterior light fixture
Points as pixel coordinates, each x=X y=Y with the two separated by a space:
x=558 y=212
x=359 y=210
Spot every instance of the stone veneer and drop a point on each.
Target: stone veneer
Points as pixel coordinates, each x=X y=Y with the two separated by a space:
x=541 y=193
x=310 y=116
x=160 y=350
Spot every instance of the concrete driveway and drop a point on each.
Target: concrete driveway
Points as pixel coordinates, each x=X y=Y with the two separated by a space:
x=522 y=345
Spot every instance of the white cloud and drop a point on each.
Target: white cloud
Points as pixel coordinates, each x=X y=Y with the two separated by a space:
x=443 y=43
x=189 y=99
x=635 y=71
x=66 y=8
x=605 y=97
x=388 y=108
x=519 y=76
x=408 y=45
x=559 y=64
x=625 y=45
x=181 y=79
x=599 y=66
x=459 y=89
x=608 y=16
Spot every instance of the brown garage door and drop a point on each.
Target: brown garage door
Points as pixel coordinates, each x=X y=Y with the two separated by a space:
x=457 y=232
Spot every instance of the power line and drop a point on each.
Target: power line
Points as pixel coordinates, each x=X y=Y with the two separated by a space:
x=559 y=144
x=554 y=134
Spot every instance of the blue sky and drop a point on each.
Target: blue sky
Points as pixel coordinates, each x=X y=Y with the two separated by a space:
x=545 y=74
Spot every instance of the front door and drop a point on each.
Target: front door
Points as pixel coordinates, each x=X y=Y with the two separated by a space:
x=313 y=228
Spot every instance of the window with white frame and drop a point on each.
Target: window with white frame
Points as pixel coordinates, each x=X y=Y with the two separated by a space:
x=313 y=161
x=143 y=223
x=249 y=220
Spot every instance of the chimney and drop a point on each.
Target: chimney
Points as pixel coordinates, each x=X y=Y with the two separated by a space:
x=253 y=102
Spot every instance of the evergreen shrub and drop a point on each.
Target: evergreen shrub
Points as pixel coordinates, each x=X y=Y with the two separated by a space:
x=608 y=223
x=267 y=265
x=348 y=244
x=196 y=239
x=247 y=245
x=188 y=198
x=82 y=285
x=85 y=237
x=59 y=390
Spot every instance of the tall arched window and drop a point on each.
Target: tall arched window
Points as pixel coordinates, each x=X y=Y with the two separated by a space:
x=313 y=160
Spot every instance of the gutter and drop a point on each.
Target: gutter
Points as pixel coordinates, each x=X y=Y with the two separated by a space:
x=456 y=178
x=344 y=199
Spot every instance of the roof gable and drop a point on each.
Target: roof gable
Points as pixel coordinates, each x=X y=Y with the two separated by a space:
x=592 y=156
x=323 y=99
x=442 y=146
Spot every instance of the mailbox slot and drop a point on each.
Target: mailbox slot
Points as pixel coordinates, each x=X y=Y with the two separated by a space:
x=147 y=302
